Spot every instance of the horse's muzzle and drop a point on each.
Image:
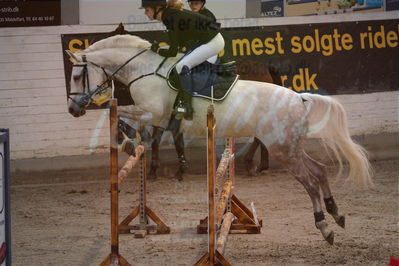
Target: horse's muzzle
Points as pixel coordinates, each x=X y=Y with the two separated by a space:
x=78 y=104
x=75 y=110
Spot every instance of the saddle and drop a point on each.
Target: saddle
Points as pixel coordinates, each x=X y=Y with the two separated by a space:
x=207 y=77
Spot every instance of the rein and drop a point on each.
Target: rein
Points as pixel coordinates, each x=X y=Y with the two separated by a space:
x=149 y=74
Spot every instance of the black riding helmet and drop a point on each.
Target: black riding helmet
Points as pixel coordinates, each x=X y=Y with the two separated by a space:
x=203 y=4
x=153 y=3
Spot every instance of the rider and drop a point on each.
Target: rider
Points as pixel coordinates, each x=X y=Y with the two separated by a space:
x=198 y=33
x=198 y=6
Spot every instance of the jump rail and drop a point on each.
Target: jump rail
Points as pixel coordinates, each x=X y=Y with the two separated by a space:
x=230 y=213
x=141 y=229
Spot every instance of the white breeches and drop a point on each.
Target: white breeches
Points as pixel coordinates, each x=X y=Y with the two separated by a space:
x=206 y=52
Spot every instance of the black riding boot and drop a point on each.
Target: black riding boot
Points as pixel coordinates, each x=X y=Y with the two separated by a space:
x=188 y=115
x=186 y=87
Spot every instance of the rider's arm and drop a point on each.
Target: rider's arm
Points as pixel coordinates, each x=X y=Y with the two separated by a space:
x=173 y=46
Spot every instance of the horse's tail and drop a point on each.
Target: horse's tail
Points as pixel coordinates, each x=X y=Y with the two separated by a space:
x=327 y=120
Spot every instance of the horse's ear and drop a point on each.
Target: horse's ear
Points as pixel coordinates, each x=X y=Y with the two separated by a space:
x=72 y=56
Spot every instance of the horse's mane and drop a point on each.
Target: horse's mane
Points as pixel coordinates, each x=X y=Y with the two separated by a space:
x=119 y=41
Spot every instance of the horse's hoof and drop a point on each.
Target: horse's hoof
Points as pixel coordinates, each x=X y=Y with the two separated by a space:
x=152 y=175
x=179 y=176
x=251 y=168
x=252 y=172
x=129 y=147
x=262 y=168
x=124 y=231
x=120 y=137
x=330 y=238
x=341 y=221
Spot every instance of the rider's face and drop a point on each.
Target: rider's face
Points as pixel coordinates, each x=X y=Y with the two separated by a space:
x=149 y=12
x=196 y=5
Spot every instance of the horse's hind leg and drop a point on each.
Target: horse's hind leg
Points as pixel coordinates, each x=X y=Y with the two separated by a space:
x=297 y=167
x=318 y=170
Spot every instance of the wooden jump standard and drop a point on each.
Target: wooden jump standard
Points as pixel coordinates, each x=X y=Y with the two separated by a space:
x=114 y=258
x=229 y=214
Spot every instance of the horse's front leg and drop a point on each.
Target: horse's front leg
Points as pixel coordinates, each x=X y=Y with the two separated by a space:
x=155 y=163
x=126 y=137
x=179 y=145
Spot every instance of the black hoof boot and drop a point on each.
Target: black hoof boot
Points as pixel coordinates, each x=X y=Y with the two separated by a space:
x=330 y=238
x=129 y=147
x=250 y=167
x=152 y=175
x=341 y=221
x=261 y=168
x=179 y=175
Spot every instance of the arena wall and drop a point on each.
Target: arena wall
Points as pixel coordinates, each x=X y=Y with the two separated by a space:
x=33 y=95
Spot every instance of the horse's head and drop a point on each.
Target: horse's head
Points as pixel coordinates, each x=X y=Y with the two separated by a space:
x=89 y=83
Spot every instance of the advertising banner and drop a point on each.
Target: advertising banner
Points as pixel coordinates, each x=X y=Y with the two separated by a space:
x=329 y=58
x=328 y=7
x=25 y=13
x=272 y=8
x=392 y=5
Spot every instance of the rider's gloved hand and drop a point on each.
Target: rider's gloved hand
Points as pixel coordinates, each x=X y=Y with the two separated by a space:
x=163 y=51
x=155 y=47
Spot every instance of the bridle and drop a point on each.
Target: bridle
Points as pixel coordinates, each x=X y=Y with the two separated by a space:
x=85 y=97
